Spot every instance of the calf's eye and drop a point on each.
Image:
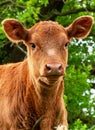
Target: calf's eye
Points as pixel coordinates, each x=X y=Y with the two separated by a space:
x=66 y=45
x=33 y=46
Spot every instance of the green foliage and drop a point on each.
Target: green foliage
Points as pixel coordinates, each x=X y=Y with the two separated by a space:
x=78 y=125
x=28 y=16
x=75 y=87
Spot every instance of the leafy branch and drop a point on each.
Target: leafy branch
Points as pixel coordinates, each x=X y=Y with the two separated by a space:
x=55 y=13
x=74 y=11
x=11 y=2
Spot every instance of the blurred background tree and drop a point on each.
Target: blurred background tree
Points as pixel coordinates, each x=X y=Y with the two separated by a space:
x=80 y=77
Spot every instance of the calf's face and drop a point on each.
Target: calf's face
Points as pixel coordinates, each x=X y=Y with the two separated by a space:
x=47 y=44
x=48 y=50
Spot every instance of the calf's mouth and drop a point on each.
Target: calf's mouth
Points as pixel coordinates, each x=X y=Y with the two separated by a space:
x=51 y=80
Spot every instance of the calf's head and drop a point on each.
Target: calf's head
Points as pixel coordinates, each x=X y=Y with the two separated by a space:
x=47 y=44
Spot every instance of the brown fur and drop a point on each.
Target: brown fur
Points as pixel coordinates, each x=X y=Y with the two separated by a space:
x=28 y=97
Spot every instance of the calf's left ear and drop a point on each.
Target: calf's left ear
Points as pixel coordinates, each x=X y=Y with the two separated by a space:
x=14 y=30
x=81 y=27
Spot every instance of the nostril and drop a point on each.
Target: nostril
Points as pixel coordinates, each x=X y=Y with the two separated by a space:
x=60 y=67
x=48 y=67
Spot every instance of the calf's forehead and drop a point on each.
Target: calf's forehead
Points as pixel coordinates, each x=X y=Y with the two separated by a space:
x=48 y=31
x=46 y=26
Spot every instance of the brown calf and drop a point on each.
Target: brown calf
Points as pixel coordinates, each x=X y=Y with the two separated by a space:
x=31 y=91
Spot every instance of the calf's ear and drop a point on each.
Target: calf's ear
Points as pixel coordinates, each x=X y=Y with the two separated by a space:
x=81 y=27
x=14 y=30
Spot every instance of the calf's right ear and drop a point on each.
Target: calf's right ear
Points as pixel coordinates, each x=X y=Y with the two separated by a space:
x=14 y=30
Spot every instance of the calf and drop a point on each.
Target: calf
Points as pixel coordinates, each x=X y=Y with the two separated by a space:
x=31 y=91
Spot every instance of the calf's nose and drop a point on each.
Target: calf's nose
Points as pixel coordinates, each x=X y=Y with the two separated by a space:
x=53 y=69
